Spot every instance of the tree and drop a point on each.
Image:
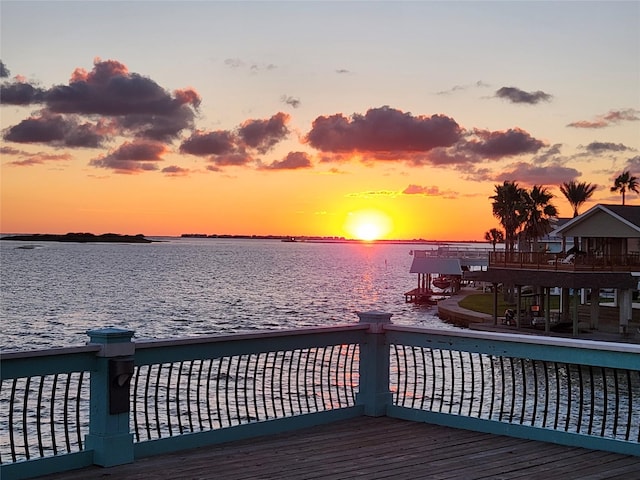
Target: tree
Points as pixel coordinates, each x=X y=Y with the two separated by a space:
x=494 y=236
x=508 y=208
x=538 y=211
x=625 y=182
x=577 y=193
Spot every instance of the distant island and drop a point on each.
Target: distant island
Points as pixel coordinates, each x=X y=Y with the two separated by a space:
x=80 y=238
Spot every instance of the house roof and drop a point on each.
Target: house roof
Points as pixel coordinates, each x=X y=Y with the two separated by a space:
x=625 y=215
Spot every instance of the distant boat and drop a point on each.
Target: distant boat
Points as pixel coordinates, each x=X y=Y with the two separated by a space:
x=289 y=239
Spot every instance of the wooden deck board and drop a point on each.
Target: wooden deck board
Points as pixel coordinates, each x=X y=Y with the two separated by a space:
x=374 y=448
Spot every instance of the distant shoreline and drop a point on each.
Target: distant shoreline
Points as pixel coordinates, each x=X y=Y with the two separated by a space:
x=80 y=238
x=315 y=239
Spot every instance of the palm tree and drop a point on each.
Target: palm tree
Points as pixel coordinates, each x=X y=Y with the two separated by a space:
x=494 y=236
x=538 y=210
x=508 y=208
x=577 y=193
x=625 y=182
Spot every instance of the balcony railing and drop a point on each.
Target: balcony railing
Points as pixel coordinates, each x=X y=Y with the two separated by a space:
x=566 y=263
x=115 y=401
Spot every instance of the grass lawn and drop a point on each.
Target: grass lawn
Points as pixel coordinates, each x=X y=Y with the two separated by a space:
x=483 y=303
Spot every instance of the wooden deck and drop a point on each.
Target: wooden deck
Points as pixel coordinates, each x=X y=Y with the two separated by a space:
x=375 y=448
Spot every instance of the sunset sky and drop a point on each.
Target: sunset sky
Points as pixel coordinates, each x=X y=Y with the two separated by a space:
x=389 y=119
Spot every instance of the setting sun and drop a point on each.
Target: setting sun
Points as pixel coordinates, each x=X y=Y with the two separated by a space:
x=368 y=224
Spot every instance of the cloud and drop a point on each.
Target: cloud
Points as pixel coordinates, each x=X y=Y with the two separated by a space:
x=27 y=159
x=262 y=135
x=237 y=63
x=633 y=165
x=100 y=105
x=515 y=95
x=235 y=148
x=500 y=144
x=373 y=193
x=342 y=71
x=432 y=191
x=220 y=142
x=20 y=93
x=56 y=130
x=292 y=101
x=460 y=88
x=230 y=160
x=599 y=147
x=529 y=174
x=132 y=157
x=234 y=63
x=381 y=131
x=175 y=171
x=293 y=161
x=4 y=71
x=612 y=118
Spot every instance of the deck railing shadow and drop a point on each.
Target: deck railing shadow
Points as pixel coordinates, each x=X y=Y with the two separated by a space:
x=114 y=400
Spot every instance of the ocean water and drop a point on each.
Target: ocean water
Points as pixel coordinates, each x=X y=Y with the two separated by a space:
x=53 y=293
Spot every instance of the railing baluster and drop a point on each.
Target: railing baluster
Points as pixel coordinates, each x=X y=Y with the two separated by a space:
x=168 y=402
x=306 y=378
x=502 y=380
x=424 y=380
x=66 y=412
x=256 y=367
x=208 y=390
x=54 y=388
x=569 y=397
x=627 y=434
x=78 y=398
x=605 y=400
x=218 y=384
x=581 y=399
x=482 y=386
x=453 y=381
x=443 y=376
x=616 y=410
x=534 y=368
x=462 y=382
x=156 y=400
x=39 y=403
x=25 y=409
x=314 y=376
x=557 y=416
x=524 y=396
x=265 y=403
x=593 y=400
x=198 y=395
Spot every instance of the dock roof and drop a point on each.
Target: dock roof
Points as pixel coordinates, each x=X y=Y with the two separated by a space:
x=444 y=266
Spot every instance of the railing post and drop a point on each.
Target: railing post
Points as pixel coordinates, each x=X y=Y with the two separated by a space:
x=374 y=391
x=109 y=436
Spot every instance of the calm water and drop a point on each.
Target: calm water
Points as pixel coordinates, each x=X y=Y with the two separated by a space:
x=54 y=293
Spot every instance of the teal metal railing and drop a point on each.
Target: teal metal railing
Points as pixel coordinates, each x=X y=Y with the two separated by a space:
x=559 y=390
x=115 y=400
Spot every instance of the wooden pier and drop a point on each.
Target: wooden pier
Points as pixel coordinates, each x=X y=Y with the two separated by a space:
x=372 y=449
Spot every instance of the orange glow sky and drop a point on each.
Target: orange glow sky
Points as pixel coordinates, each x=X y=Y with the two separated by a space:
x=358 y=119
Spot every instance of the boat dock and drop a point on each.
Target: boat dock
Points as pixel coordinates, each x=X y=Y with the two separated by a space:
x=374 y=448
x=444 y=265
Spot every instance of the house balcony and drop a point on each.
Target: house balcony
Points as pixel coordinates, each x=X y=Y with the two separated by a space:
x=582 y=262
